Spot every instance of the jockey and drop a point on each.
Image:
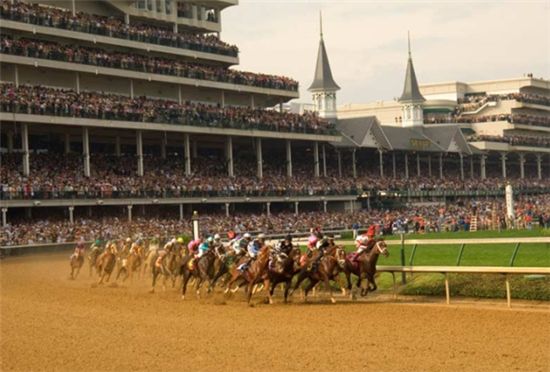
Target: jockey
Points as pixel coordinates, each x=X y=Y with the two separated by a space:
x=218 y=245
x=204 y=247
x=240 y=245
x=361 y=243
x=255 y=246
x=160 y=258
x=170 y=245
x=137 y=244
x=193 y=246
x=312 y=243
x=284 y=247
x=79 y=250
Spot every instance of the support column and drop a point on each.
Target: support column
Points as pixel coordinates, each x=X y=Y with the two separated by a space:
x=229 y=156
x=539 y=166
x=296 y=208
x=522 y=165
x=353 y=164
x=418 y=164
x=180 y=95
x=187 y=154
x=316 y=170
x=268 y=208
x=129 y=208
x=252 y=104
x=325 y=206
x=118 y=151
x=288 y=159
x=226 y=209
x=131 y=89
x=67 y=143
x=394 y=165
x=461 y=167
x=259 y=159
x=222 y=99
x=472 y=166
x=139 y=152
x=73 y=7
x=71 y=214
x=181 y=212
x=339 y=158
x=25 y=147
x=430 y=165
x=77 y=82
x=406 y=166
x=127 y=18
x=503 y=163
x=86 y=151
x=324 y=160
x=4 y=217
x=381 y=161
x=163 y=148
x=10 y=141
x=441 y=165
x=482 y=166
x=16 y=75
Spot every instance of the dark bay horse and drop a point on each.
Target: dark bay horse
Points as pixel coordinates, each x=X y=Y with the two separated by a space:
x=202 y=270
x=364 y=266
x=254 y=274
x=284 y=271
x=327 y=268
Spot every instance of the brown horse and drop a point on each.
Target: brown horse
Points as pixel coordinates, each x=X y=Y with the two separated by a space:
x=364 y=266
x=106 y=262
x=202 y=269
x=256 y=272
x=165 y=263
x=284 y=271
x=92 y=257
x=323 y=270
x=130 y=262
x=77 y=260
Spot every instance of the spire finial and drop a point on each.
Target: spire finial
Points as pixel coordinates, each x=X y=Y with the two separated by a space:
x=321 y=23
x=409 y=40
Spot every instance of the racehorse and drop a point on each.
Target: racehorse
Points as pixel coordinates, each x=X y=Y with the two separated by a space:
x=323 y=270
x=165 y=263
x=201 y=268
x=256 y=272
x=106 y=262
x=130 y=262
x=77 y=260
x=92 y=257
x=284 y=271
x=364 y=266
x=150 y=257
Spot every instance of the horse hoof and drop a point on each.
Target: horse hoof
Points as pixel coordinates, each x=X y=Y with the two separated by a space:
x=152 y=290
x=332 y=300
x=270 y=301
x=183 y=297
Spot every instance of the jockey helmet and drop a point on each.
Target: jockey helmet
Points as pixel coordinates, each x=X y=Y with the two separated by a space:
x=97 y=242
x=312 y=240
x=288 y=238
x=173 y=241
x=217 y=237
x=261 y=236
x=128 y=240
x=247 y=236
x=210 y=239
x=180 y=240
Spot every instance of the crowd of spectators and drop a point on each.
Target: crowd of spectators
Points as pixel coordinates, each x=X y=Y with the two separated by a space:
x=40 y=100
x=473 y=102
x=515 y=140
x=57 y=176
x=135 y=62
x=420 y=219
x=43 y=15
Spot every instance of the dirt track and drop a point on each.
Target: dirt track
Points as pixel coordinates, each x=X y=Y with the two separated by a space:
x=50 y=322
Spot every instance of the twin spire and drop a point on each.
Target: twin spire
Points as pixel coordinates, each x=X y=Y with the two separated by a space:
x=411 y=92
x=322 y=80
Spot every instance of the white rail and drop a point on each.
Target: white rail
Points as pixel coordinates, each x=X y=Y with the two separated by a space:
x=446 y=270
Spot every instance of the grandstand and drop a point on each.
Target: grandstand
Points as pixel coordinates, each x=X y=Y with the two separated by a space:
x=129 y=109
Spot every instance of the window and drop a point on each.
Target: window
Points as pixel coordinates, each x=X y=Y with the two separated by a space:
x=141 y=4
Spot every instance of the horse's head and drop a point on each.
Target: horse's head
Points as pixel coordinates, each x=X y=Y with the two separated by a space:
x=380 y=247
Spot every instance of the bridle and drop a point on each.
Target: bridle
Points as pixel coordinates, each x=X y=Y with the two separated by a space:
x=382 y=249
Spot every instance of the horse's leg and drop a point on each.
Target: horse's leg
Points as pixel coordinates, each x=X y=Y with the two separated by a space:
x=312 y=283
x=301 y=276
x=287 y=288
x=233 y=279
x=269 y=293
x=329 y=288
x=199 y=285
x=371 y=280
x=154 y=280
x=364 y=284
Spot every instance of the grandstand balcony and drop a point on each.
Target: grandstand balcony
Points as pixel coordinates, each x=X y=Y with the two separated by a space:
x=27 y=28
x=34 y=70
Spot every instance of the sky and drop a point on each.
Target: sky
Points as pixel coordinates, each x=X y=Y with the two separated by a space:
x=367 y=41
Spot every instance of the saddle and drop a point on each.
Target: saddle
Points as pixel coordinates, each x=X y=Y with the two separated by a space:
x=352 y=259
